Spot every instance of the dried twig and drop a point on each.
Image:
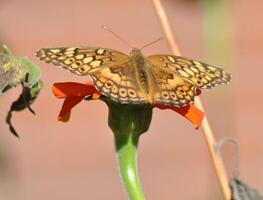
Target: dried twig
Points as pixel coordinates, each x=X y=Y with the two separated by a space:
x=207 y=131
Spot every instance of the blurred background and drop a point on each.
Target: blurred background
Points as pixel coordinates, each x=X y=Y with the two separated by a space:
x=76 y=160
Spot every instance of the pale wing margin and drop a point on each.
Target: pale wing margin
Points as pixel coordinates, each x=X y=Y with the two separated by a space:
x=82 y=61
x=200 y=74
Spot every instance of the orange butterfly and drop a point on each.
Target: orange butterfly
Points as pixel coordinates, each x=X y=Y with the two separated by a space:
x=135 y=79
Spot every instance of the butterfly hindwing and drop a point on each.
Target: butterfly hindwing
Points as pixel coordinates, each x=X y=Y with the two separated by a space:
x=81 y=61
x=201 y=75
x=171 y=89
x=119 y=84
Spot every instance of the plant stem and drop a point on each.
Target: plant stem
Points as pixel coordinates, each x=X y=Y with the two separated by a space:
x=128 y=122
x=126 y=148
x=207 y=131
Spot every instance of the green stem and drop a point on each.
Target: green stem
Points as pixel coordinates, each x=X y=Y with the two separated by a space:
x=126 y=149
x=128 y=122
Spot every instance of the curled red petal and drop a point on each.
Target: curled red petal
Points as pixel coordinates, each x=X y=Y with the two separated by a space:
x=190 y=112
x=73 y=94
x=72 y=89
x=68 y=104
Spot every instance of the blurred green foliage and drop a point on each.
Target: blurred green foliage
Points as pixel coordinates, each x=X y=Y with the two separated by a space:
x=16 y=71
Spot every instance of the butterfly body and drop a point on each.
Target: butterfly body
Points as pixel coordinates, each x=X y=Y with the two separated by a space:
x=142 y=73
x=136 y=79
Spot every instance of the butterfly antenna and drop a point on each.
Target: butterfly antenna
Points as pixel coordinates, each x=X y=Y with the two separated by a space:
x=108 y=29
x=149 y=44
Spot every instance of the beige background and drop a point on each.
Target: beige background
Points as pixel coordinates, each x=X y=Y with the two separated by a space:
x=76 y=160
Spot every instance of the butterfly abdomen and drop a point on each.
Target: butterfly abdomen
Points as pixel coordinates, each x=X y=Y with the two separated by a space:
x=141 y=74
x=143 y=80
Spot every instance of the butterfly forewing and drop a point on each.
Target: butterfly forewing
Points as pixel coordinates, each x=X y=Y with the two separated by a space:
x=81 y=61
x=110 y=70
x=198 y=73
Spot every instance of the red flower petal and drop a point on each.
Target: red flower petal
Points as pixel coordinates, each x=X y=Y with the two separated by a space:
x=72 y=89
x=73 y=94
x=68 y=104
x=190 y=112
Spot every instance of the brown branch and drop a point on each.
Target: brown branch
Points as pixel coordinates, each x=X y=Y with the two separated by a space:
x=207 y=131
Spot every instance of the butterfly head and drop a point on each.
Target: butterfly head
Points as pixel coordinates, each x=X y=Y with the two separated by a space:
x=135 y=52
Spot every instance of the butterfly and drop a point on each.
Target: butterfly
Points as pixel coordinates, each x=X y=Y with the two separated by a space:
x=135 y=79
